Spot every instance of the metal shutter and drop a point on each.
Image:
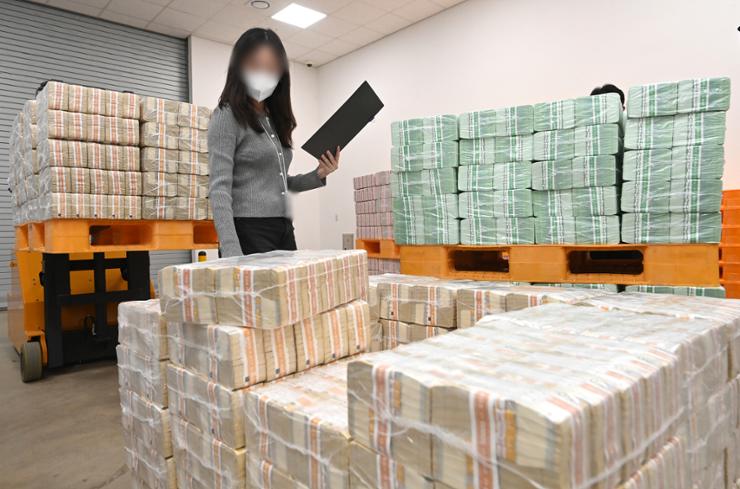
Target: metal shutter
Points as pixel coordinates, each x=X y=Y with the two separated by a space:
x=39 y=43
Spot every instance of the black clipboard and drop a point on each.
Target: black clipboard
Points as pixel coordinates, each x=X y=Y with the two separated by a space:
x=354 y=114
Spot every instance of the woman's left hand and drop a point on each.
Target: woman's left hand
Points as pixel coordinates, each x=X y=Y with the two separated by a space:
x=328 y=163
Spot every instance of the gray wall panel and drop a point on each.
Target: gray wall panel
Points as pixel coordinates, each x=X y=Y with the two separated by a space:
x=38 y=43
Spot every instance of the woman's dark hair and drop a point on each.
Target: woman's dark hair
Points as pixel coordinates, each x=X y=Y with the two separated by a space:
x=235 y=95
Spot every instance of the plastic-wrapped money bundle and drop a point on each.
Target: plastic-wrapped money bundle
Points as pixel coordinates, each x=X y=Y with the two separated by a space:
x=703 y=95
x=596 y=110
x=289 y=312
x=236 y=357
x=566 y=285
x=424 y=130
x=580 y=172
x=423 y=219
x=579 y=215
x=79 y=154
x=577 y=229
x=396 y=333
x=508 y=121
x=424 y=156
x=379 y=266
x=142 y=356
x=495 y=176
x=299 y=425
x=370 y=469
x=423 y=181
x=24 y=161
x=651 y=100
x=604 y=139
x=718 y=292
x=483 y=230
x=501 y=216
x=427 y=414
x=174 y=159
x=377 y=338
x=204 y=461
x=674 y=161
x=473 y=303
x=88 y=100
x=424 y=301
x=266 y=291
x=192 y=163
x=505 y=176
x=576 y=175
x=724 y=311
x=497 y=203
x=74 y=126
x=665 y=469
x=549 y=116
x=558 y=144
x=675 y=196
x=413 y=308
x=174 y=113
x=371 y=190
x=711 y=396
x=85 y=206
x=501 y=149
x=586 y=201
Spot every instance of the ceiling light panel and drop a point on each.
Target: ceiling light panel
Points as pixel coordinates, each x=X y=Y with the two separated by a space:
x=298 y=15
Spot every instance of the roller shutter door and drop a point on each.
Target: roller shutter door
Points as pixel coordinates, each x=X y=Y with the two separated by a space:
x=39 y=43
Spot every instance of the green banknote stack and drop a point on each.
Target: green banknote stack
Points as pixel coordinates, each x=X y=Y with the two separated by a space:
x=495 y=176
x=718 y=292
x=577 y=150
x=424 y=180
x=674 y=161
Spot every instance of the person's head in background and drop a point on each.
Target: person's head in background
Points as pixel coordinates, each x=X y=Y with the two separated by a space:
x=609 y=88
x=258 y=81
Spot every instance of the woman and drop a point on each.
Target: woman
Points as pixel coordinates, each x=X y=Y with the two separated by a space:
x=250 y=150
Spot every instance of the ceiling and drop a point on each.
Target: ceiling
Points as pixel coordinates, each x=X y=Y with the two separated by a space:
x=349 y=24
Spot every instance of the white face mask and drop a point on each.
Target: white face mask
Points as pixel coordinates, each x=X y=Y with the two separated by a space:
x=260 y=84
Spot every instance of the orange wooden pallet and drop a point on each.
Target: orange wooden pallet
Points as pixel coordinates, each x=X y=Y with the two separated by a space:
x=729 y=249
x=730 y=198
x=732 y=289
x=729 y=271
x=730 y=215
x=379 y=248
x=103 y=235
x=659 y=264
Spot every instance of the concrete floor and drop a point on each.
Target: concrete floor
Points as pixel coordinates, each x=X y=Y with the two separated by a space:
x=62 y=432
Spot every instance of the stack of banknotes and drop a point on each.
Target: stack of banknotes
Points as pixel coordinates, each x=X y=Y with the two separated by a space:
x=495 y=176
x=577 y=148
x=424 y=180
x=674 y=161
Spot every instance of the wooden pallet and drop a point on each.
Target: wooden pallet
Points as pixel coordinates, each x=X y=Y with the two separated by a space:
x=95 y=235
x=661 y=264
x=729 y=248
x=732 y=289
x=379 y=248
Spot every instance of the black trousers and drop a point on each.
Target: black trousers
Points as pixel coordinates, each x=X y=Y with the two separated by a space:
x=263 y=234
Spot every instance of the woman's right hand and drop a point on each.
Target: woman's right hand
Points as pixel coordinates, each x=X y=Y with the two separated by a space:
x=328 y=163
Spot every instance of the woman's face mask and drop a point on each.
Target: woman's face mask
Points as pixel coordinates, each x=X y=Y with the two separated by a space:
x=260 y=84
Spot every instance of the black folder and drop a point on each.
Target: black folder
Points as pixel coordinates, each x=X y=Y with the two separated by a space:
x=354 y=114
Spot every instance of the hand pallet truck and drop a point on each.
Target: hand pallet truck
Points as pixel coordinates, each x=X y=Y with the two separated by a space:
x=69 y=276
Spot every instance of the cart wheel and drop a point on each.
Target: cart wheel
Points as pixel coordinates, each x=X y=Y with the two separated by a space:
x=31 y=365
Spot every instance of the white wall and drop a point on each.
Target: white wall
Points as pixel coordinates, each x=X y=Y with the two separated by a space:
x=491 y=53
x=208 y=63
